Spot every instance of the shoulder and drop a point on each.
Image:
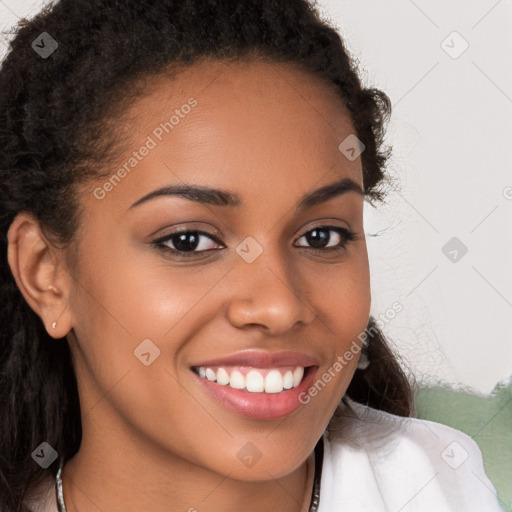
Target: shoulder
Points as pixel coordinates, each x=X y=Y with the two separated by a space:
x=410 y=461
x=381 y=431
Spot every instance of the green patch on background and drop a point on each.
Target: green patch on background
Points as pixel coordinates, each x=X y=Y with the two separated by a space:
x=487 y=419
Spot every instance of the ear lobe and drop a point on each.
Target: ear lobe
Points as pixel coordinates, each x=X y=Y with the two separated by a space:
x=36 y=267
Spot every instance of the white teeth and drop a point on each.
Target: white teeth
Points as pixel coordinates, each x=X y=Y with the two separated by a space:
x=254 y=381
x=237 y=380
x=274 y=382
x=222 y=377
x=210 y=374
x=297 y=375
x=288 y=380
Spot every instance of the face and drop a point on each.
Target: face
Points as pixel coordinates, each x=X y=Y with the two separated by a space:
x=257 y=274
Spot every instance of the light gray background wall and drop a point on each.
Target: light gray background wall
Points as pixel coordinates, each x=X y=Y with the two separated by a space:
x=451 y=131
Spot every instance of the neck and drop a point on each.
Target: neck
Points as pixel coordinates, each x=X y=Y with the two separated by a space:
x=117 y=475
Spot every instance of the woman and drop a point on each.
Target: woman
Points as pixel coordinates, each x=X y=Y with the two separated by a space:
x=185 y=290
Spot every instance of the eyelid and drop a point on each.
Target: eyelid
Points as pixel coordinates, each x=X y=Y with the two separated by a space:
x=325 y=224
x=187 y=228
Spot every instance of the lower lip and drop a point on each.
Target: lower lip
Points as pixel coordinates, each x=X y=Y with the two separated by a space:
x=259 y=406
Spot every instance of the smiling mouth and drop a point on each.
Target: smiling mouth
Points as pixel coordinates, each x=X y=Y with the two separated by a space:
x=254 y=380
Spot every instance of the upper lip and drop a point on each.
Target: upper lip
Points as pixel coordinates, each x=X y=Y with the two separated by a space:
x=260 y=359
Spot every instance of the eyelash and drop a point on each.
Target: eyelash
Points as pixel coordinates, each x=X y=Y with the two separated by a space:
x=346 y=234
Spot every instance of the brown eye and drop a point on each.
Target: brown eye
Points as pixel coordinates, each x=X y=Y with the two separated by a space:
x=319 y=238
x=186 y=242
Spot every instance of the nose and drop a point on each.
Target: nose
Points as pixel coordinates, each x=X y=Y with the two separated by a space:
x=267 y=293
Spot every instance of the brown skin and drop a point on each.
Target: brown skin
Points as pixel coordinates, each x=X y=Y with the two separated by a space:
x=152 y=438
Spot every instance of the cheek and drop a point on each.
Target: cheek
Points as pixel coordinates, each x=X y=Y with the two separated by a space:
x=343 y=298
x=121 y=307
x=122 y=303
x=137 y=294
x=351 y=310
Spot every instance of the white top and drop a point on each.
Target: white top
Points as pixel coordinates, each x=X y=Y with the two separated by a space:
x=380 y=462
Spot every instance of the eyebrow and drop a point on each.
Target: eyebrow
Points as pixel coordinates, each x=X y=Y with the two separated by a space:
x=218 y=197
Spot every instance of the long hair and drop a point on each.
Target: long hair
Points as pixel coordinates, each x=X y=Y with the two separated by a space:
x=57 y=130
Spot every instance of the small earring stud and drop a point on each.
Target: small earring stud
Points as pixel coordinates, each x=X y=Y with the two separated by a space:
x=54 y=325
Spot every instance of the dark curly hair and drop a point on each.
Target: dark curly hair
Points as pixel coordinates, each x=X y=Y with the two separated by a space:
x=57 y=131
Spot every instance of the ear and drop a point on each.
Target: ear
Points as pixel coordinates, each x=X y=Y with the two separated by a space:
x=39 y=271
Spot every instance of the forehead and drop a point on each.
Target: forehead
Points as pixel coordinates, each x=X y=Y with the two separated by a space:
x=239 y=80
x=253 y=126
x=246 y=100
